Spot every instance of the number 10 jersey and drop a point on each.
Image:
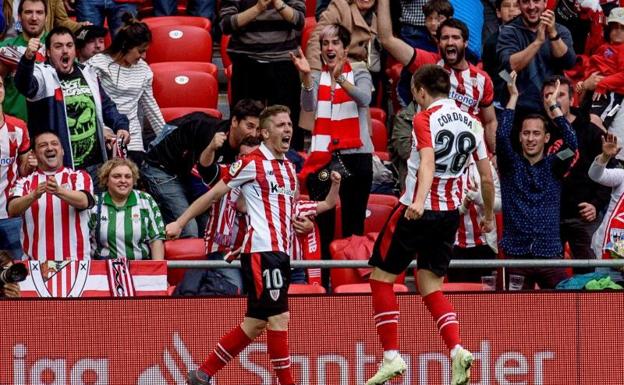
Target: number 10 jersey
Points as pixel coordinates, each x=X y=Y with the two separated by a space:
x=454 y=136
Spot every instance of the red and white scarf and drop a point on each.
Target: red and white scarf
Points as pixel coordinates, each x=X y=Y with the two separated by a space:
x=336 y=125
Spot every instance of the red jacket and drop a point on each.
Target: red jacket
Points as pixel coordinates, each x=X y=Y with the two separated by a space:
x=608 y=60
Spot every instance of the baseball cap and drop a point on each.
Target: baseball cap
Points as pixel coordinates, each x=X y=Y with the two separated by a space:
x=616 y=16
x=89 y=32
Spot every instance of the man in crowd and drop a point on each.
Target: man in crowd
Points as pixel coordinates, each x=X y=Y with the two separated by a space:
x=426 y=221
x=52 y=202
x=32 y=15
x=531 y=187
x=536 y=47
x=195 y=139
x=582 y=200
x=66 y=98
x=90 y=41
x=471 y=87
x=268 y=183
x=14 y=156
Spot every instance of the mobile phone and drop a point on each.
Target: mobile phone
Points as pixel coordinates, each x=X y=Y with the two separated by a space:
x=505 y=76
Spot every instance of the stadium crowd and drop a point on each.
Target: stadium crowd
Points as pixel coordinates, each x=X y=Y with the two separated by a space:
x=78 y=97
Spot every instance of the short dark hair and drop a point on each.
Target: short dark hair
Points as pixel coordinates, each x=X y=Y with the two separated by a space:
x=20 y=6
x=564 y=81
x=133 y=33
x=535 y=116
x=343 y=34
x=247 y=107
x=433 y=78
x=60 y=30
x=457 y=24
x=271 y=111
x=38 y=134
x=442 y=7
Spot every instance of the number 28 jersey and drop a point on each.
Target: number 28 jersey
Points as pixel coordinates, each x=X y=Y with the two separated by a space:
x=454 y=136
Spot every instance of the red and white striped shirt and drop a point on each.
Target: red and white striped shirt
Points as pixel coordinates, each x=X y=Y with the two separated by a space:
x=268 y=186
x=305 y=244
x=469 y=232
x=51 y=228
x=455 y=136
x=14 y=141
x=471 y=88
x=223 y=226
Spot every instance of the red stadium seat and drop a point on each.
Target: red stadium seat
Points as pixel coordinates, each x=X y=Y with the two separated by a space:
x=172 y=113
x=195 y=21
x=199 y=66
x=189 y=249
x=383 y=199
x=461 y=286
x=308 y=28
x=179 y=43
x=376 y=217
x=300 y=288
x=379 y=114
x=173 y=88
x=379 y=135
x=365 y=288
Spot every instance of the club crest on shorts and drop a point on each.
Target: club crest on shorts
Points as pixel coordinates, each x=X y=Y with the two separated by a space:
x=234 y=167
x=274 y=293
x=59 y=278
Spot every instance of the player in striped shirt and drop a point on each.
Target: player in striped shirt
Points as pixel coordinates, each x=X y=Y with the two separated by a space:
x=426 y=220
x=471 y=87
x=268 y=184
x=125 y=222
x=14 y=156
x=52 y=202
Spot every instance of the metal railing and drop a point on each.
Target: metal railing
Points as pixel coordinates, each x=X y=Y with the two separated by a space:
x=469 y=264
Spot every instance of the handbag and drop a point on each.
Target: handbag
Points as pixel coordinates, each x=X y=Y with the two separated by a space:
x=319 y=182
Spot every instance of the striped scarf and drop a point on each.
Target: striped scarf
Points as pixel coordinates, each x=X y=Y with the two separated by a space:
x=337 y=124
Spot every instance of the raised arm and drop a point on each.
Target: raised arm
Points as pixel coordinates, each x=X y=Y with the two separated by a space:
x=399 y=49
x=598 y=172
x=504 y=148
x=332 y=196
x=487 y=194
x=25 y=80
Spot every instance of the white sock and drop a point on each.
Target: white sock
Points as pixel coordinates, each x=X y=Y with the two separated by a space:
x=390 y=355
x=455 y=350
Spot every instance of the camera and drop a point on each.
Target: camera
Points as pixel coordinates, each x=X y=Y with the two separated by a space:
x=13 y=274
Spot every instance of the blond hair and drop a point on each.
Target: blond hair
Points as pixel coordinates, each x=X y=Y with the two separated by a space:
x=107 y=167
x=271 y=111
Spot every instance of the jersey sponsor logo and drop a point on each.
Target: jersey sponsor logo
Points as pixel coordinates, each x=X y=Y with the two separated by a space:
x=7 y=161
x=53 y=274
x=234 y=167
x=277 y=189
x=463 y=99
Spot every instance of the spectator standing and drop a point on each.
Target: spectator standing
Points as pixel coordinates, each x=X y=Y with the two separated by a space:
x=265 y=260
x=203 y=8
x=96 y=11
x=79 y=113
x=89 y=41
x=63 y=195
x=56 y=16
x=531 y=188
x=14 y=162
x=400 y=144
x=125 y=222
x=196 y=139
x=425 y=222
x=536 y=47
x=339 y=95
x=263 y=33
x=413 y=28
x=582 y=200
x=471 y=87
x=32 y=14
x=127 y=79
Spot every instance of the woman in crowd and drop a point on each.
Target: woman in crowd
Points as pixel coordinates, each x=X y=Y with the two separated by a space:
x=125 y=222
x=127 y=79
x=339 y=95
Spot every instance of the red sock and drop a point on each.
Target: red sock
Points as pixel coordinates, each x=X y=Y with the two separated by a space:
x=386 y=316
x=445 y=318
x=277 y=345
x=228 y=347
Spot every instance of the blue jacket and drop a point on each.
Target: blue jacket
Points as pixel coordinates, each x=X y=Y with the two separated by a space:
x=513 y=38
x=46 y=107
x=531 y=194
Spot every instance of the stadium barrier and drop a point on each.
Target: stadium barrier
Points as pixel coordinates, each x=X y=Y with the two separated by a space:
x=537 y=338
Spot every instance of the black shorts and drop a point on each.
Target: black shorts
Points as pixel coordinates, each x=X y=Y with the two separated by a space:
x=429 y=238
x=266 y=277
